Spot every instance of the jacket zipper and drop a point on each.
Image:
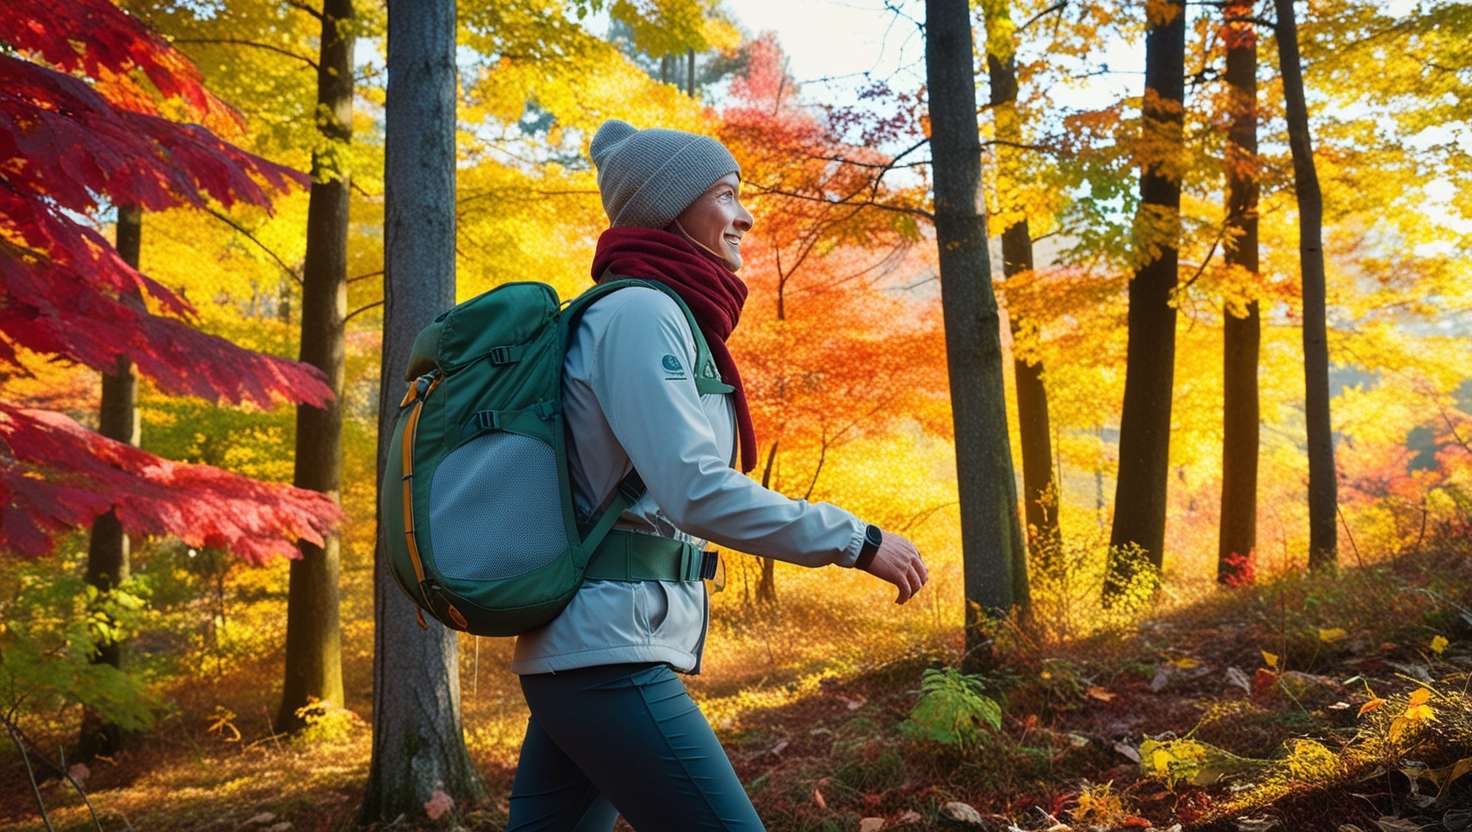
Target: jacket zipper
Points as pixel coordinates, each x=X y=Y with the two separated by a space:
x=705 y=619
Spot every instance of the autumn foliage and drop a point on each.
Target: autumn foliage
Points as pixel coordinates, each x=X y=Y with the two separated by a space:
x=74 y=148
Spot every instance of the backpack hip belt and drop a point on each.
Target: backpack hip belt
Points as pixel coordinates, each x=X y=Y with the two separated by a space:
x=634 y=556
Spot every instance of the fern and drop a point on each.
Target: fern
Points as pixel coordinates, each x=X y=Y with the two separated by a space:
x=952 y=710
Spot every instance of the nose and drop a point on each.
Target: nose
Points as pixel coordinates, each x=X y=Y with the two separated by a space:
x=744 y=219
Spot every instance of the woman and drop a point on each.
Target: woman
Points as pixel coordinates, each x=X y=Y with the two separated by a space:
x=612 y=729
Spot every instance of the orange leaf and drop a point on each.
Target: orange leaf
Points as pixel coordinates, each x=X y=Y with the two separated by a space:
x=1101 y=694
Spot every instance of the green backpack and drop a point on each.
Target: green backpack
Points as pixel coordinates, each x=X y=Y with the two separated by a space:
x=481 y=532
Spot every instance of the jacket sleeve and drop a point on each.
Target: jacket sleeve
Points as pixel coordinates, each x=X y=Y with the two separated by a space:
x=654 y=412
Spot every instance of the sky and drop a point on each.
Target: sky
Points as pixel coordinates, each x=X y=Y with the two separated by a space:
x=842 y=39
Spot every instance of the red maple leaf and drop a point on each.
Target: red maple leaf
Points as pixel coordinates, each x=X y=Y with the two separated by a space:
x=72 y=145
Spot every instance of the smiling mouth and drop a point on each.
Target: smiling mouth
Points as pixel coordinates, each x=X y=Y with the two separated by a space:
x=733 y=240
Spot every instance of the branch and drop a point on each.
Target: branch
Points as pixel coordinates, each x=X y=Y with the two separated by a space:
x=1258 y=21
x=1453 y=429
x=18 y=737
x=364 y=276
x=923 y=515
x=249 y=236
x=1056 y=7
x=350 y=315
x=1206 y=260
x=257 y=44
x=305 y=8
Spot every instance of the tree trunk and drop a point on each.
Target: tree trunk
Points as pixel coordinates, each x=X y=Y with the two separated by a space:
x=690 y=72
x=766 y=586
x=1322 y=486
x=418 y=745
x=993 y=551
x=1237 y=542
x=1138 y=533
x=1032 y=398
x=313 y=637
x=107 y=550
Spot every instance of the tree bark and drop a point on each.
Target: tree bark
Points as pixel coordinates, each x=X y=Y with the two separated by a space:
x=690 y=72
x=418 y=745
x=1322 y=484
x=993 y=551
x=1041 y=510
x=1138 y=533
x=313 y=635
x=1237 y=542
x=108 y=547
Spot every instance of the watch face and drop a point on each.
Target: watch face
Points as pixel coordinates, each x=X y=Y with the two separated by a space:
x=873 y=536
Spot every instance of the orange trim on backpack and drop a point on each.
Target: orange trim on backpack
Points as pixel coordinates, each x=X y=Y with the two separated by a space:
x=408 y=465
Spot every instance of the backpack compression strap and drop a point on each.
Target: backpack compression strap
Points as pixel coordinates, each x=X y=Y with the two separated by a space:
x=419 y=390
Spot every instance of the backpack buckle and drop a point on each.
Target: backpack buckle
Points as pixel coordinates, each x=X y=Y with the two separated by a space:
x=500 y=355
x=631 y=487
x=487 y=420
x=709 y=560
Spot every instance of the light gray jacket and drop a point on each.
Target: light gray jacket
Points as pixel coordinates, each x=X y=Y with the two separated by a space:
x=625 y=408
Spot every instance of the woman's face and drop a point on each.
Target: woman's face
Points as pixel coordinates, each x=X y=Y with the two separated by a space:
x=717 y=220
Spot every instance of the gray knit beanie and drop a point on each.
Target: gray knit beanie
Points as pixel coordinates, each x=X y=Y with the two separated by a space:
x=647 y=177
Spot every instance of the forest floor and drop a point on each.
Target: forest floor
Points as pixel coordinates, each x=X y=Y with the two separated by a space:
x=1292 y=704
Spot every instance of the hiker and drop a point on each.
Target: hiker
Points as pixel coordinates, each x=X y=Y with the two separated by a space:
x=612 y=728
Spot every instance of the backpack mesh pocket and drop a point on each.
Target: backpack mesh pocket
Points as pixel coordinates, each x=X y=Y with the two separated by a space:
x=495 y=510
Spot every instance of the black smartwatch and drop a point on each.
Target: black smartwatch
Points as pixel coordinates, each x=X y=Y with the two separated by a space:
x=872 y=539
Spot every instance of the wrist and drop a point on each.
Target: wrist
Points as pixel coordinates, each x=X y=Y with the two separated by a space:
x=872 y=540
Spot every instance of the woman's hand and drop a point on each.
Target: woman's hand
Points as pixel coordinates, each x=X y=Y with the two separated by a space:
x=899 y=563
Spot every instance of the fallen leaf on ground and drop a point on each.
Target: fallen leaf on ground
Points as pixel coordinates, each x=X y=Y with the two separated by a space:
x=438 y=804
x=871 y=824
x=1237 y=678
x=1127 y=750
x=1101 y=694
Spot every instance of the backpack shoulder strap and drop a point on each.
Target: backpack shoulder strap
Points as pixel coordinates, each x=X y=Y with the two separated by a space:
x=707 y=377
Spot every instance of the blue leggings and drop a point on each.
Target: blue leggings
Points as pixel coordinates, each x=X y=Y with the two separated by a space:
x=622 y=739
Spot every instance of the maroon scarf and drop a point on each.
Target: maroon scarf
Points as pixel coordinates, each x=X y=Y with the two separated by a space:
x=714 y=295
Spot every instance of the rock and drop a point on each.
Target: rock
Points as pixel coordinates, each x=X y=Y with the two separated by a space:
x=964 y=813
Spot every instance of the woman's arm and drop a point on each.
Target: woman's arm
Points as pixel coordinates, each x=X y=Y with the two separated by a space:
x=656 y=416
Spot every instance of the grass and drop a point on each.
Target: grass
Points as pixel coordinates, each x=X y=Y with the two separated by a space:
x=808 y=701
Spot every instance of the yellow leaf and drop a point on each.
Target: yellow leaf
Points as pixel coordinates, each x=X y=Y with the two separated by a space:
x=1418 y=697
x=1438 y=644
x=1372 y=705
x=1418 y=713
x=1331 y=634
x=1160 y=760
x=1271 y=659
x=1185 y=662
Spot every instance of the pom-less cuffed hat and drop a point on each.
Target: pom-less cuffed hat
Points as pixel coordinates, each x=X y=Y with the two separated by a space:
x=647 y=177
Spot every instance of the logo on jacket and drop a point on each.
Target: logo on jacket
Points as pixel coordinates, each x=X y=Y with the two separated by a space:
x=674 y=371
